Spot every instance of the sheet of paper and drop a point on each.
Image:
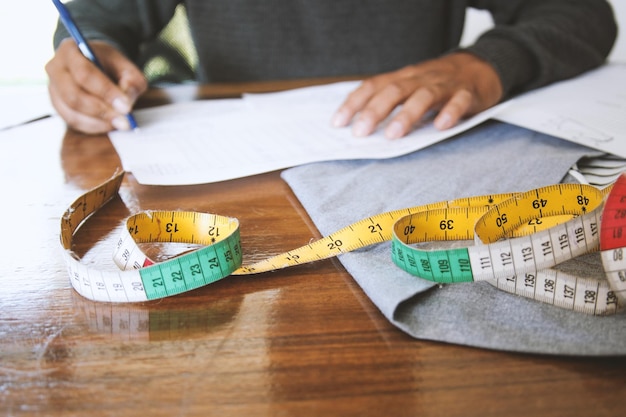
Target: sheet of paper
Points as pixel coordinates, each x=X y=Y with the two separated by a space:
x=23 y=103
x=216 y=140
x=589 y=110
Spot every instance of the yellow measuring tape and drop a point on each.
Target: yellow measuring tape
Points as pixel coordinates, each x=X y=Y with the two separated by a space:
x=518 y=239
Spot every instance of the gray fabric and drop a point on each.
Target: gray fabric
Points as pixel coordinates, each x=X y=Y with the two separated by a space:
x=491 y=158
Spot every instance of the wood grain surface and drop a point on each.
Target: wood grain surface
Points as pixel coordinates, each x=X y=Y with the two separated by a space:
x=304 y=341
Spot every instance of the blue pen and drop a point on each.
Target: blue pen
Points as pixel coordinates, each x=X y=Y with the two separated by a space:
x=80 y=40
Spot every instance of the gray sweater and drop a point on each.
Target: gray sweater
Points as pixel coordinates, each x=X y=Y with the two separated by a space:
x=533 y=43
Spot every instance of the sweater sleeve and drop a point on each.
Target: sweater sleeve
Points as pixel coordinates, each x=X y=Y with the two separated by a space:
x=126 y=24
x=537 y=42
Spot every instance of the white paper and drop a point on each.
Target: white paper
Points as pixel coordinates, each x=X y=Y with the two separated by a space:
x=214 y=140
x=589 y=110
x=22 y=104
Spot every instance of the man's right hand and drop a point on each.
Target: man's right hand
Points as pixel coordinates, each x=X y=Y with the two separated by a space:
x=88 y=100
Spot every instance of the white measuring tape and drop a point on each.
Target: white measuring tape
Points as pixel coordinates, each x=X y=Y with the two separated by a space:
x=519 y=238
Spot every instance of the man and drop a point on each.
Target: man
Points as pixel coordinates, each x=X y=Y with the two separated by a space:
x=407 y=50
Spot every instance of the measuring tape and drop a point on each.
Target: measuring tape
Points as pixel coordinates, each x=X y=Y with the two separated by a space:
x=518 y=240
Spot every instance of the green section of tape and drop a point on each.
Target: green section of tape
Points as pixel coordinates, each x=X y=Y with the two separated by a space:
x=192 y=270
x=443 y=266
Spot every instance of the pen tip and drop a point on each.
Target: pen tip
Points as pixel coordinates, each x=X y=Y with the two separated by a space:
x=132 y=122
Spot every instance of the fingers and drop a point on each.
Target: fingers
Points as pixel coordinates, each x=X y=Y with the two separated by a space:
x=457 y=107
x=455 y=86
x=412 y=112
x=75 y=119
x=356 y=101
x=421 y=102
x=379 y=107
x=86 y=98
x=81 y=109
x=369 y=106
x=130 y=78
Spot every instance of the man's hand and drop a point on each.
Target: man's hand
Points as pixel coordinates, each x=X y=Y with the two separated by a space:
x=88 y=100
x=455 y=86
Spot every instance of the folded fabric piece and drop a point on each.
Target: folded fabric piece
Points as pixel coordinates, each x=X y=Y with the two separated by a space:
x=491 y=158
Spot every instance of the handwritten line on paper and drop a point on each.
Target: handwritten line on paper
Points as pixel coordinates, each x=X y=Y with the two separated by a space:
x=589 y=109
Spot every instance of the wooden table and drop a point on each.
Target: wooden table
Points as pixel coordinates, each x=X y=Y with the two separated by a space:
x=302 y=341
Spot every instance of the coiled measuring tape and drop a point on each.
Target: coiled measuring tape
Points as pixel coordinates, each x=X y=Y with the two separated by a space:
x=518 y=239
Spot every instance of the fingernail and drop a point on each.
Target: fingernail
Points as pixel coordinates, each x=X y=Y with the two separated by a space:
x=443 y=121
x=340 y=119
x=121 y=123
x=395 y=130
x=362 y=128
x=121 y=105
